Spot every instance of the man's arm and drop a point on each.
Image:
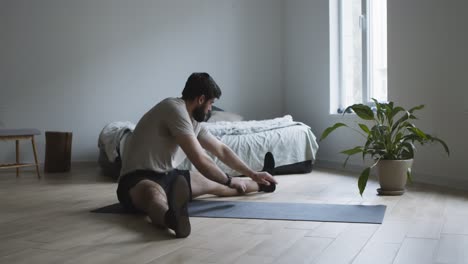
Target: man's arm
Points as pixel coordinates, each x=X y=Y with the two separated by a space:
x=200 y=159
x=228 y=157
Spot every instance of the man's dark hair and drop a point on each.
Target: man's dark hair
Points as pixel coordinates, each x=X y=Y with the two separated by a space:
x=200 y=83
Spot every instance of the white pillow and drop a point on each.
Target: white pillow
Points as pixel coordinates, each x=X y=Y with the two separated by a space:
x=224 y=116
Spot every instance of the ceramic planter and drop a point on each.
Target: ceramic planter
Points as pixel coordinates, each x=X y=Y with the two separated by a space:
x=392 y=176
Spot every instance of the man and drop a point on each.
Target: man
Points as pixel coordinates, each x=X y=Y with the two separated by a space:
x=163 y=137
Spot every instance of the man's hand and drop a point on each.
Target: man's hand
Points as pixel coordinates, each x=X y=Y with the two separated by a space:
x=238 y=184
x=263 y=177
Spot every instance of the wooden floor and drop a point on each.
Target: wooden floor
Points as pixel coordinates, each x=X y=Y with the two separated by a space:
x=48 y=221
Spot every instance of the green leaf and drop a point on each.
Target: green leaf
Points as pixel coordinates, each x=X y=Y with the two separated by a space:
x=419 y=107
x=395 y=111
x=375 y=163
x=410 y=150
x=347 y=110
x=418 y=132
x=364 y=128
x=411 y=137
x=377 y=104
x=405 y=117
x=441 y=142
x=346 y=161
x=387 y=110
x=352 y=151
x=408 y=175
x=362 y=182
x=379 y=111
x=366 y=149
x=398 y=137
x=331 y=129
x=363 y=111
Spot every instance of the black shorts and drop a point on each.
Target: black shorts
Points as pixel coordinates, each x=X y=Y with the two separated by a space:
x=129 y=180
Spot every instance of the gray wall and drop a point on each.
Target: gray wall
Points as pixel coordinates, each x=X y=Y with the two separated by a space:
x=69 y=65
x=427 y=62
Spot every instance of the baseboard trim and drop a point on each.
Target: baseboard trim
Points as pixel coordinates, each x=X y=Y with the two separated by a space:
x=84 y=163
x=459 y=184
x=335 y=165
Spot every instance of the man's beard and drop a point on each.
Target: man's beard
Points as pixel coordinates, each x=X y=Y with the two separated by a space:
x=199 y=114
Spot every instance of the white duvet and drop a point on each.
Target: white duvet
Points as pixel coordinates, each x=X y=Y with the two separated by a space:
x=111 y=136
x=289 y=141
x=220 y=129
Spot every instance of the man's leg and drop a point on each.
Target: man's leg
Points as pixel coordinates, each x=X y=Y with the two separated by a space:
x=150 y=197
x=202 y=185
x=177 y=217
x=164 y=210
x=268 y=166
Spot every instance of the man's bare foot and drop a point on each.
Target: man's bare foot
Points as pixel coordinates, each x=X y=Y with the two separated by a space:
x=268 y=166
x=177 y=217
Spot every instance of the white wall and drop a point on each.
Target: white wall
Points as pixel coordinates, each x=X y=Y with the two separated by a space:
x=69 y=65
x=428 y=59
x=427 y=65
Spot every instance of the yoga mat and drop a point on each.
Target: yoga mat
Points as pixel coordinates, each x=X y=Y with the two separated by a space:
x=372 y=214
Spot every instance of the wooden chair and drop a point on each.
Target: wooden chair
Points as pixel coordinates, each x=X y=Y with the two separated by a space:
x=17 y=135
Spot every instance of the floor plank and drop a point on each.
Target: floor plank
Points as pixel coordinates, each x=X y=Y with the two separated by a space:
x=452 y=249
x=416 y=251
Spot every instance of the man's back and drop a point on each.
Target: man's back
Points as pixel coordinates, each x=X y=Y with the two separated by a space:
x=153 y=144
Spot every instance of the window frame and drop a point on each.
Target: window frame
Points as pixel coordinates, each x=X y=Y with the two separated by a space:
x=366 y=50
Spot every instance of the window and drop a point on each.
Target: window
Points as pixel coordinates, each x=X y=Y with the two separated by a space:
x=361 y=51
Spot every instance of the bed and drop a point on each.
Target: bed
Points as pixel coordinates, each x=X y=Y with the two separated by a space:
x=292 y=143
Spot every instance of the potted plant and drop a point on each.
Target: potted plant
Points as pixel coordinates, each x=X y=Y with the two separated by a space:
x=389 y=142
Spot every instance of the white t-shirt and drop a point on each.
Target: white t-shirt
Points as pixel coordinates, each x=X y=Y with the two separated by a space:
x=153 y=146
